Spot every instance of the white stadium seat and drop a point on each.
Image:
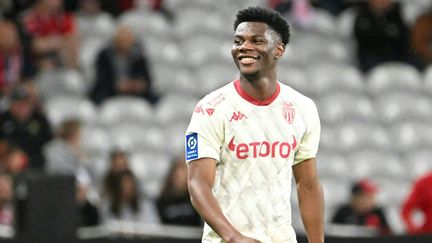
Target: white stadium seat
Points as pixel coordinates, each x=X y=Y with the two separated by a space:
x=337 y=107
x=61 y=108
x=376 y=164
x=61 y=82
x=151 y=170
x=175 y=108
x=391 y=77
x=428 y=80
x=417 y=162
x=402 y=106
x=409 y=135
x=126 y=109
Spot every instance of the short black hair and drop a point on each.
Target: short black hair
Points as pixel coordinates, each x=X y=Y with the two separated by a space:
x=271 y=17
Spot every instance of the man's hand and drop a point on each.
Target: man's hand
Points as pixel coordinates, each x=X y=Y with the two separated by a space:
x=242 y=239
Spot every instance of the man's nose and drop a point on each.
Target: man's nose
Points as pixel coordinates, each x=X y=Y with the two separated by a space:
x=246 y=45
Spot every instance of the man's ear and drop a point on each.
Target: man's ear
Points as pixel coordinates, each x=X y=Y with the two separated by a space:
x=280 y=50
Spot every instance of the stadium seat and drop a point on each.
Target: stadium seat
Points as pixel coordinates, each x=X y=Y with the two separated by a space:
x=294 y=77
x=387 y=78
x=151 y=170
x=95 y=140
x=175 y=80
x=134 y=137
x=335 y=192
x=392 y=191
x=126 y=109
x=346 y=21
x=204 y=49
x=162 y=50
x=186 y=23
x=409 y=135
x=340 y=106
x=323 y=22
x=213 y=76
x=61 y=108
x=328 y=77
x=328 y=138
x=306 y=49
x=332 y=165
x=402 y=106
x=428 y=80
x=175 y=108
x=417 y=162
x=145 y=21
x=61 y=82
x=174 y=134
x=394 y=219
x=411 y=9
x=375 y=164
x=88 y=52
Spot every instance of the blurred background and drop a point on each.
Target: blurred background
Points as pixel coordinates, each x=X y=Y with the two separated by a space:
x=96 y=96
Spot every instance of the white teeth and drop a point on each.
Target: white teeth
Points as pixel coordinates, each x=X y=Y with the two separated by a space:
x=248 y=58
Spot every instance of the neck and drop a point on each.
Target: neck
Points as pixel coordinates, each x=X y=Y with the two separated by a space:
x=259 y=88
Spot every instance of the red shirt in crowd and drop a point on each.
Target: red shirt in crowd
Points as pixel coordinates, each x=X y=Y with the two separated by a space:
x=419 y=199
x=42 y=26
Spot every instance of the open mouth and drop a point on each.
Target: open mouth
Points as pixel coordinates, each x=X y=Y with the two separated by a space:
x=243 y=59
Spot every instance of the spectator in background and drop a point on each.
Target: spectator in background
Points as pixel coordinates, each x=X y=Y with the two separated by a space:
x=362 y=209
x=25 y=126
x=420 y=200
x=63 y=154
x=122 y=69
x=174 y=203
x=14 y=63
x=118 y=164
x=92 y=22
x=6 y=196
x=381 y=34
x=11 y=9
x=87 y=211
x=12 y=159
x=127 y=203
x=52 y=35
x=421 y=38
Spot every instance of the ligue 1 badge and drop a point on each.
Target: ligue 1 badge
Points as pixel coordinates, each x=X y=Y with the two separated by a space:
x=288 y=112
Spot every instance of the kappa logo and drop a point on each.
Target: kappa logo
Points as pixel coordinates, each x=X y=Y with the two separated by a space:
x=199 y=109
x=210 y=111
x=237 y=116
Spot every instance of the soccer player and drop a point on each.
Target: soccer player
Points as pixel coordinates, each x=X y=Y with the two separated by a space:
x=246 y=140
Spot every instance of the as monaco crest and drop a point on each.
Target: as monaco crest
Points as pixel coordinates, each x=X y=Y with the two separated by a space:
x=288 y=112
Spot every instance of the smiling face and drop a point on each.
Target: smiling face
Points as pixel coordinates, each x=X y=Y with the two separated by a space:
x=256 y=49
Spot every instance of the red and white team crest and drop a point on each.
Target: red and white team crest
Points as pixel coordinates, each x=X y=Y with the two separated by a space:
x=288 y=112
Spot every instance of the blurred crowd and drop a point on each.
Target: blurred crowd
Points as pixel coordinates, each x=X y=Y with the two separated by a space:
x=39 y=36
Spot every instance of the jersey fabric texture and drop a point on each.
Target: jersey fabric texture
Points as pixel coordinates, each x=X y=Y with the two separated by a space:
x=255 y=144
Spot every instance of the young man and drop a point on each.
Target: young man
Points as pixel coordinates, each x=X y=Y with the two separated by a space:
x=246 y=139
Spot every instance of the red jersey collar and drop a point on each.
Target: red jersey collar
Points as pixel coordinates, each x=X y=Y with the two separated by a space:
x=253 y=100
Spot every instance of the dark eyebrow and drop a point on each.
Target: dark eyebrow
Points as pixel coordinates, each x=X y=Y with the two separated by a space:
x=254 y=36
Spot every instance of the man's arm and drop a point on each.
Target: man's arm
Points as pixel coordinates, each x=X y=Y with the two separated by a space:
x=201 y=176
x=311 y=199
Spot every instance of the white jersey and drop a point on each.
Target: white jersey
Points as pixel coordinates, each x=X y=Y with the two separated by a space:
x=255 y=144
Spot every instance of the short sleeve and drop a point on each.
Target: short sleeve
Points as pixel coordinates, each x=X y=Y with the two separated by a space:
x=204 y=135
x=309 y=143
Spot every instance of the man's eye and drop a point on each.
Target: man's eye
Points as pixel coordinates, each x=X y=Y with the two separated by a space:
x=237 y=42
x=259 y=41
